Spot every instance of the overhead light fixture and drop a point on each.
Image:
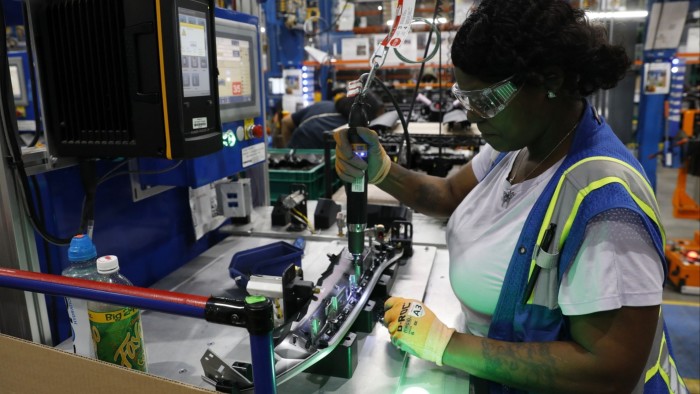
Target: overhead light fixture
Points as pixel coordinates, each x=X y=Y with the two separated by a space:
x=640 y=14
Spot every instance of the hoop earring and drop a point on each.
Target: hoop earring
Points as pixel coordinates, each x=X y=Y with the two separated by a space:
x=551 y=95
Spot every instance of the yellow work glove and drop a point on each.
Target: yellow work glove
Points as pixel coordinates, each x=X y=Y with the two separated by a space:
x=415 y=329
x=350 y=167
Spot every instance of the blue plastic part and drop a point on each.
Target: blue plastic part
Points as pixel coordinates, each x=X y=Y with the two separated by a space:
x=81 y=248
x=300 y=243
x=270 y=259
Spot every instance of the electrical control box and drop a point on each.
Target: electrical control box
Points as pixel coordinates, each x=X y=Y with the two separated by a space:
x=240 y=95
x=128 y=78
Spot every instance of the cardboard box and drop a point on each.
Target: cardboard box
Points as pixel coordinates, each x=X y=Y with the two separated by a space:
x=27 y=367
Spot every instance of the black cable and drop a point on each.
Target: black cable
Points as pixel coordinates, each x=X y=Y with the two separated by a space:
x=38 y=129
x=404 y=123
x=442 y=93
x=11 y=136
x=110 y=172
x=88 y=176
x=107 y=176
x=87 y=212
x=438 y=6
x=35 y=139
x=85 y=223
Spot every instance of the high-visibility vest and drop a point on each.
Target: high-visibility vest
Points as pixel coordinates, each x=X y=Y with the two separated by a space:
x=598 y=174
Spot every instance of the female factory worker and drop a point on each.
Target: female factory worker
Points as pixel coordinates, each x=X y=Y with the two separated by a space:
x=556 y=250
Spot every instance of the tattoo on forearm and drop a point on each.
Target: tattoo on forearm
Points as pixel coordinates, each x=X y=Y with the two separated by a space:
x=532 y=364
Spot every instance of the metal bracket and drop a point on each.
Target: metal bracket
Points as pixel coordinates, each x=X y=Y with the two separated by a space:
x=217 y=371
x=138 y=191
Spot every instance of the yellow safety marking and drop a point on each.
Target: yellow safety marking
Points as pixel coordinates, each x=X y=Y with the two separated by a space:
x=248 y=125
x=657 y=366
x=161 y=58
x=683 y=303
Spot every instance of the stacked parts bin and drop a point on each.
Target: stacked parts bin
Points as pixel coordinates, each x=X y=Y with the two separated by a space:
x=310 y=175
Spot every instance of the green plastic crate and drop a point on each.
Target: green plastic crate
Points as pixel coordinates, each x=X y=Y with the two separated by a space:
x=313 y=178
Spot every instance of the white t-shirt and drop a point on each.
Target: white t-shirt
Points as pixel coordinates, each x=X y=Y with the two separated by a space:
x=617 y=264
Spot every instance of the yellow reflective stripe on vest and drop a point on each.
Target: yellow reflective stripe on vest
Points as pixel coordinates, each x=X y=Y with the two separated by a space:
x=662 y=363
x=562 y=210
x=648 y=210
x=665 y=363
x=595 y=177
x=563 y=231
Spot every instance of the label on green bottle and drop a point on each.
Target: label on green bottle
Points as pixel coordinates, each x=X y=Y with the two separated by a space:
x=118 y=337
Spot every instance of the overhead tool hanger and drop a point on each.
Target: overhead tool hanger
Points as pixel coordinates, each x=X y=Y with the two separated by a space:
x=357 y=190
x=400 y=30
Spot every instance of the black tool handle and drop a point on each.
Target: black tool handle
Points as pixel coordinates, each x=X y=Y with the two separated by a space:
x=356 y=192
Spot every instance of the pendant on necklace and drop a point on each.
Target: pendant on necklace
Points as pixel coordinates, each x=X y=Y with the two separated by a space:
x=507 y=196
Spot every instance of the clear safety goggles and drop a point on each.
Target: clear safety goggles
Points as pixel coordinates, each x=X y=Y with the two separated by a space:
x=487 y=102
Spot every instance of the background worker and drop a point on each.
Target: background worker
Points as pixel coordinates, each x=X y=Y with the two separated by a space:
x=304 y=129
x=556 y=298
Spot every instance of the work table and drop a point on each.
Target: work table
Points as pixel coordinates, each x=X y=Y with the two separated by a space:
x=174 y=344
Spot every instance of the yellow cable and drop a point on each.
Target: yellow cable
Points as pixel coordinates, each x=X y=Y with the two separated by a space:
x=307 y=223
x=303 y=218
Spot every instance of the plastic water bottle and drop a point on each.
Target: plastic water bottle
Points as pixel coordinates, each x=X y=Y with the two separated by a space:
x=116 y=330
x=82 y=256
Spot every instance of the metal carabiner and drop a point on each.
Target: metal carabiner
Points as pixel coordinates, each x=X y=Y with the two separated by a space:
x=375 y=62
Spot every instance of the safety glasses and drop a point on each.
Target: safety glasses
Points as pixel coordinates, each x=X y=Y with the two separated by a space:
x=487 y=102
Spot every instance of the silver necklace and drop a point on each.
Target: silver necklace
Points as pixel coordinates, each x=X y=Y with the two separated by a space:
x=508 y=193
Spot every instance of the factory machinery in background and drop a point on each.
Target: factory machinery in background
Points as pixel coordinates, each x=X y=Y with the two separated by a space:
x=312 y=26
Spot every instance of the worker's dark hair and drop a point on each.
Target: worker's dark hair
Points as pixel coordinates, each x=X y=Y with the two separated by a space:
x=374 y=105
x=523 y=37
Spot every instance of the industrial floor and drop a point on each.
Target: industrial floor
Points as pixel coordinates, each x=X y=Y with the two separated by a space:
x=682 y=311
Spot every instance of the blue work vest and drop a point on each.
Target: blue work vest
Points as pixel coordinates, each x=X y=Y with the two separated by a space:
x=598 y=174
